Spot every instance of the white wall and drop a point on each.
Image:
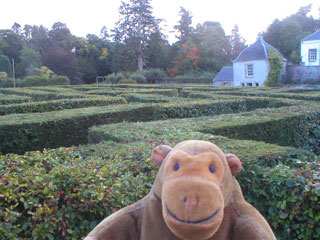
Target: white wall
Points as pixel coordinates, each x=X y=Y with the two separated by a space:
x=305 y=46
x=260 y=72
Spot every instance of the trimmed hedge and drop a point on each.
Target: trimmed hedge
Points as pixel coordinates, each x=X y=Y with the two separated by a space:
x=11 y=99
x=58 y=105
x=297 y=126
x=165 y=92
x=35 y=131
x=145 y=98
x=40 y=95
x=32 y=81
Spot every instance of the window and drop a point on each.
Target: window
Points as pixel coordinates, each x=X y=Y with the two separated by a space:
x=312 y=55
x=249 y=70
x=257 y=84
x=242 y=84
x=249 y=84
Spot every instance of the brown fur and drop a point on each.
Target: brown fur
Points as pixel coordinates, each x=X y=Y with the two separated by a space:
x=191 y=202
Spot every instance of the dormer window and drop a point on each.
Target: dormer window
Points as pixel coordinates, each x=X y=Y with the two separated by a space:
x=249 y=70
x=312 y=55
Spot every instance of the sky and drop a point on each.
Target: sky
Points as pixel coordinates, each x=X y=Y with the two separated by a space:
x=88 y=17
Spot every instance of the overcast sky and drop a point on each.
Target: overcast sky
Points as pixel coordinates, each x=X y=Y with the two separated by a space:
x=83 y=17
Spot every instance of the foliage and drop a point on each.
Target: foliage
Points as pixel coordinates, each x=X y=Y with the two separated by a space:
x=66 y=128
x=184 y=28
x=135 y=26
x=152 y=75
x=237 y=42
x=32 y=81
x=5 y=65
x=138 y=77
x=3 y=76
x=286 y=34
x=127 y=81
x=57 y=105
x=30 y=59
x=114 y=78
x=275 y=63
x=60 y=194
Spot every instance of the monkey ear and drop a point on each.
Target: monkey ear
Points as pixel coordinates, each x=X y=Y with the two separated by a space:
x=159 y=153
x=234 y=164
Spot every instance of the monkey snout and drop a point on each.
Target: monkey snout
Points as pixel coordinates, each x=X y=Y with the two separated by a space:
x=191 y=200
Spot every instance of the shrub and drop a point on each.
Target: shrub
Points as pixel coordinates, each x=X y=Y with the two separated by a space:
x=127 y=81
x=275 y=62
x=152 y=75
x=3 y=76
x=115 y=77
x=138 y=77
x=35 y=80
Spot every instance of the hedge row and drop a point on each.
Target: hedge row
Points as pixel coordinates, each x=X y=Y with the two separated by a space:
x=57 y=105
x=314 y=96
x=63 y=193
x=145 y=98
x=35 y=131
x=40 y=95
x=297 y=126
x=165 y=92
x=11 y=99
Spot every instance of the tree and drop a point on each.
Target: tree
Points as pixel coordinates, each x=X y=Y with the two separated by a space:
x=286 y=35
x=10 y=44
x=184 y=27
x=135 y=26
x=237 y=42
x=214 y=46
x=5 y=65
x=29 y=58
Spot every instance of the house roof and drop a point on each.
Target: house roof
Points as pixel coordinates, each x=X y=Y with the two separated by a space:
x=257 y=51
x=225 y=74
x=313 y=36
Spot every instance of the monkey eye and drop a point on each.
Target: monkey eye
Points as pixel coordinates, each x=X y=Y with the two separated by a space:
x=176 y=166
x=211 y=169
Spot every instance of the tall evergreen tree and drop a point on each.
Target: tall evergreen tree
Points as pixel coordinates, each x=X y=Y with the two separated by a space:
x=237 y=42
x=135 y=26
x=184 y=27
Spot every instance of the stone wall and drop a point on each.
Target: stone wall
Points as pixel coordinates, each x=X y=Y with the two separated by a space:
x=303 y=74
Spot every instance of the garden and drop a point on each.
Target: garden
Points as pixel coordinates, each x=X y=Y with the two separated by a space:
x=73 y=154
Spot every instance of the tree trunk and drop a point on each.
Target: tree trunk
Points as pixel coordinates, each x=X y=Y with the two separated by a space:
x=140 y=58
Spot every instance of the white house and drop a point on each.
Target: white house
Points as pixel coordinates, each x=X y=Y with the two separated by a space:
x=310 y=50
x=250 y=68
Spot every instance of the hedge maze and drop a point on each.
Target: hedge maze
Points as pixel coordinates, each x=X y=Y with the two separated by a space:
x=71 y=155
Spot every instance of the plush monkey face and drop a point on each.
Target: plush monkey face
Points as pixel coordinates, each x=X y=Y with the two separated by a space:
x=193 y=178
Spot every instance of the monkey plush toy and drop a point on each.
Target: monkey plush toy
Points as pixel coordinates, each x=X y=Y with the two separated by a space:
x=195 y=196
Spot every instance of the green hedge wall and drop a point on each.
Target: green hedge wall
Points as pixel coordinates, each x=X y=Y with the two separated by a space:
x=11 y=99
x=35 y=131
x=57 y=105
x=40 y=95
x=298 y=131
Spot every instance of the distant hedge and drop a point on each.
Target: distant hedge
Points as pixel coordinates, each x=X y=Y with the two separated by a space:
x=41 y=95
x=33 y=81
x=12 y=99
